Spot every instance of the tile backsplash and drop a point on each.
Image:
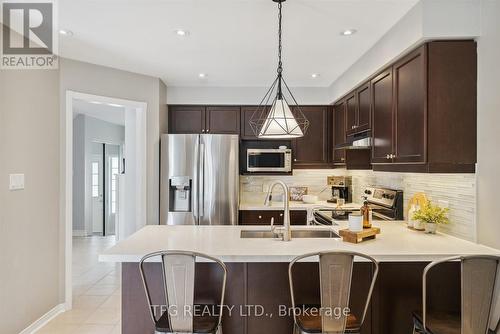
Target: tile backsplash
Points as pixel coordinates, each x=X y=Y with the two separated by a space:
x=456 y=191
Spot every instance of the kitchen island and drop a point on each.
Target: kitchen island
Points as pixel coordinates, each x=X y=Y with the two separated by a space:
x=258 y=273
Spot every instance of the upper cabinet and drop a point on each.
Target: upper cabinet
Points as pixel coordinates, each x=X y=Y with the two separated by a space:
x=312 y=150
x=186 y=119
x=424 y=110
x=421 y=111
x=201 y=119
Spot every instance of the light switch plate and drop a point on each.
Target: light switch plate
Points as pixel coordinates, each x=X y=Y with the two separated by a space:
x=16 y=182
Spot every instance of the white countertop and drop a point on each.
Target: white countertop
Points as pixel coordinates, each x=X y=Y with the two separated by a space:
x=294 y=205
x=395 y=243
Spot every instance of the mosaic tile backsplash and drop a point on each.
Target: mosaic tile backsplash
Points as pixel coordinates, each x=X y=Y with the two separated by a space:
x=456 y=191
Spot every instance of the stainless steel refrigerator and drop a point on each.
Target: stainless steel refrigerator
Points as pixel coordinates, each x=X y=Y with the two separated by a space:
x=199 y=179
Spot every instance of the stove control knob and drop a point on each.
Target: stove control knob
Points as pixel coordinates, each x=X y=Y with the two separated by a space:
x=368 y=192
x=385 y=196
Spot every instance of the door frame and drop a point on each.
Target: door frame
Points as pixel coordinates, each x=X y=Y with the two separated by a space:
x=66 y=200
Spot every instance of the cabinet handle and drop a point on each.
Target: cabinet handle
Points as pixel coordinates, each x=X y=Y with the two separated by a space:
x=294 y=159
x=388 y=156
x=260 y=217
x=208 y=130
x=202 y=130
x=342 y=159
x=281 y=215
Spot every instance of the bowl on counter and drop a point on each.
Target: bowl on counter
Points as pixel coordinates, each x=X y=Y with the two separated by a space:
x=309 y=199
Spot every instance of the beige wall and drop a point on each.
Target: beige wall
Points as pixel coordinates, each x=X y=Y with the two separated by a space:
x=94 y=79
x=488 y=181
x=29 y=218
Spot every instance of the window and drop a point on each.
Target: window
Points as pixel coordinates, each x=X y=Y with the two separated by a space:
x=115 y=166
x=95 y=179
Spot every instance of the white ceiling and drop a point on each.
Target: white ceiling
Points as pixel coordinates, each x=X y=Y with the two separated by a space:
x=104 y=112
x=233 y=41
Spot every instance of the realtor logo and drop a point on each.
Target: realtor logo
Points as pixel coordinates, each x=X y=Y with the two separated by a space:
x=28 y=35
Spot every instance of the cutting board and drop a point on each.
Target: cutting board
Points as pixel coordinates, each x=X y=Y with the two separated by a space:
x=357 y=237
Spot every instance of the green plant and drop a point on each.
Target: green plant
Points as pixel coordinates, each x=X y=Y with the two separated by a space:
x=432 y=214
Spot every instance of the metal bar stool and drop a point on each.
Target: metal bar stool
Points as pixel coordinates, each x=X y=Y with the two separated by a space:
x=335 y=274
x=178 y=275
x=480 y=300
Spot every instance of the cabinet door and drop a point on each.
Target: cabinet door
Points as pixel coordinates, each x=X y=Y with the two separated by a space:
x=223 y=120
x=382 y=96
x=186 y=119
x=339 y=156
x=363 y=95
x=351 y=114
x=312 y=149
x=410 y=107
x=339 y=124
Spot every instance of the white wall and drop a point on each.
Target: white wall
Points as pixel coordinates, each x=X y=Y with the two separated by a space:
x=104 y=81
x=488 y=166
x=427 y=20
x=87 y=130
x=29 y=218
x=241 y=95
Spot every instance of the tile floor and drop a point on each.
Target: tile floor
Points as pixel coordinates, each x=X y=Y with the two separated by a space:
x=96 y=292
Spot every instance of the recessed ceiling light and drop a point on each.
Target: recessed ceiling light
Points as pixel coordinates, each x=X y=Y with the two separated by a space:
x=314 y=75
x=348 y=32
x=114 y=105
x=202 y=75
x=64 y=32
x=181 y=32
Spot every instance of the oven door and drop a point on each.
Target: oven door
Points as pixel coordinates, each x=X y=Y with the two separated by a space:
x=268 y=160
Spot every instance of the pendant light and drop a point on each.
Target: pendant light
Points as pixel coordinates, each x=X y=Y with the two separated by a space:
x=278 y=114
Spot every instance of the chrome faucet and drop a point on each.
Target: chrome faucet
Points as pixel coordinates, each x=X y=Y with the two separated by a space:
x=286 y=233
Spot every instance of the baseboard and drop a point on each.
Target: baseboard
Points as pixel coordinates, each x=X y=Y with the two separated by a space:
x=79 y=233
x=44 y=319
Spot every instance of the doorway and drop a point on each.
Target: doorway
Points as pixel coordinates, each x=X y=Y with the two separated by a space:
x=105 y=184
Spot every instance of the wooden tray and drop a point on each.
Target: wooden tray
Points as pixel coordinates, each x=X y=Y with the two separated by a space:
x=357 y=237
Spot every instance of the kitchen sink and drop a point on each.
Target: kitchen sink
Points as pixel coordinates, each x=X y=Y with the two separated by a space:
x=295 y=234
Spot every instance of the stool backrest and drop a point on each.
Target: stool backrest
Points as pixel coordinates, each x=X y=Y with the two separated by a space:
x=335 y=273
x=479 y=276
x=178 y=277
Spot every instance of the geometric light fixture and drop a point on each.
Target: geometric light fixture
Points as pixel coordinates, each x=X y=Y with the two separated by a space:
x=278 y=114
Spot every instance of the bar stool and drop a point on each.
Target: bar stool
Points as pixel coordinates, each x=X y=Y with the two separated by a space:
x=480 y=310
x=178 y=277
x=335 y=274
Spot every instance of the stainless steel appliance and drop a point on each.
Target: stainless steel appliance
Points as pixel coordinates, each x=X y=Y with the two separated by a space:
x=386 y=204
x=269 y=160
x=199 y=179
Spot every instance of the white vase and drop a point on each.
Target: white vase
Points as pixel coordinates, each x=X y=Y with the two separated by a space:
x=430 y=228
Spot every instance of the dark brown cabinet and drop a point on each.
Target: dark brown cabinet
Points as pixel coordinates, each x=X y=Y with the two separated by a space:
x=186 y=119
x=201 y=119
x=246 y=129
x=312 y=150
x=339 y=125
x=263 y=217
x=223 y=120
x=424 y=110
x=351 y=113
x=364 y=96
x=382 y=99
x=410 y=77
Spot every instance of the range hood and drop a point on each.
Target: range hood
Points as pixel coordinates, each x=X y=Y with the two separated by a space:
x=360 y=141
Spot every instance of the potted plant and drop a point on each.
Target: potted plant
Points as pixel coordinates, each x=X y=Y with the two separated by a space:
x=432 y=215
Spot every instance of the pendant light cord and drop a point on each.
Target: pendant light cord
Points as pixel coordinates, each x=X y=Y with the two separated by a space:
x=280 y=64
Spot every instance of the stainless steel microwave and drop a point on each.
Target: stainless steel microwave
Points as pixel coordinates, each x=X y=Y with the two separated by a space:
x=269 y=160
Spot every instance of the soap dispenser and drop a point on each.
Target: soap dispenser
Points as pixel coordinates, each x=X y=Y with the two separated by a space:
x=366 y=212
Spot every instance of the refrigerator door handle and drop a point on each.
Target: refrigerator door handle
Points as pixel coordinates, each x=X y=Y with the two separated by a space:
x=196 y=185
x=201 y=188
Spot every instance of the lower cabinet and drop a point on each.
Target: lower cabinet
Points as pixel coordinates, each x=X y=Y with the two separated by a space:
x=263 y=217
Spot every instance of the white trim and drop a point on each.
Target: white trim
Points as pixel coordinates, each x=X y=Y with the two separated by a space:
x=80 y=233
x=44 y=319
x=67 y=175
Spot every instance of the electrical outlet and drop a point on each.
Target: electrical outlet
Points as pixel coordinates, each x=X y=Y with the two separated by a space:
x=16 y=182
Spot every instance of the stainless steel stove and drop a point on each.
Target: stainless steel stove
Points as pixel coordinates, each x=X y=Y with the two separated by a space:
x=386 y=204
